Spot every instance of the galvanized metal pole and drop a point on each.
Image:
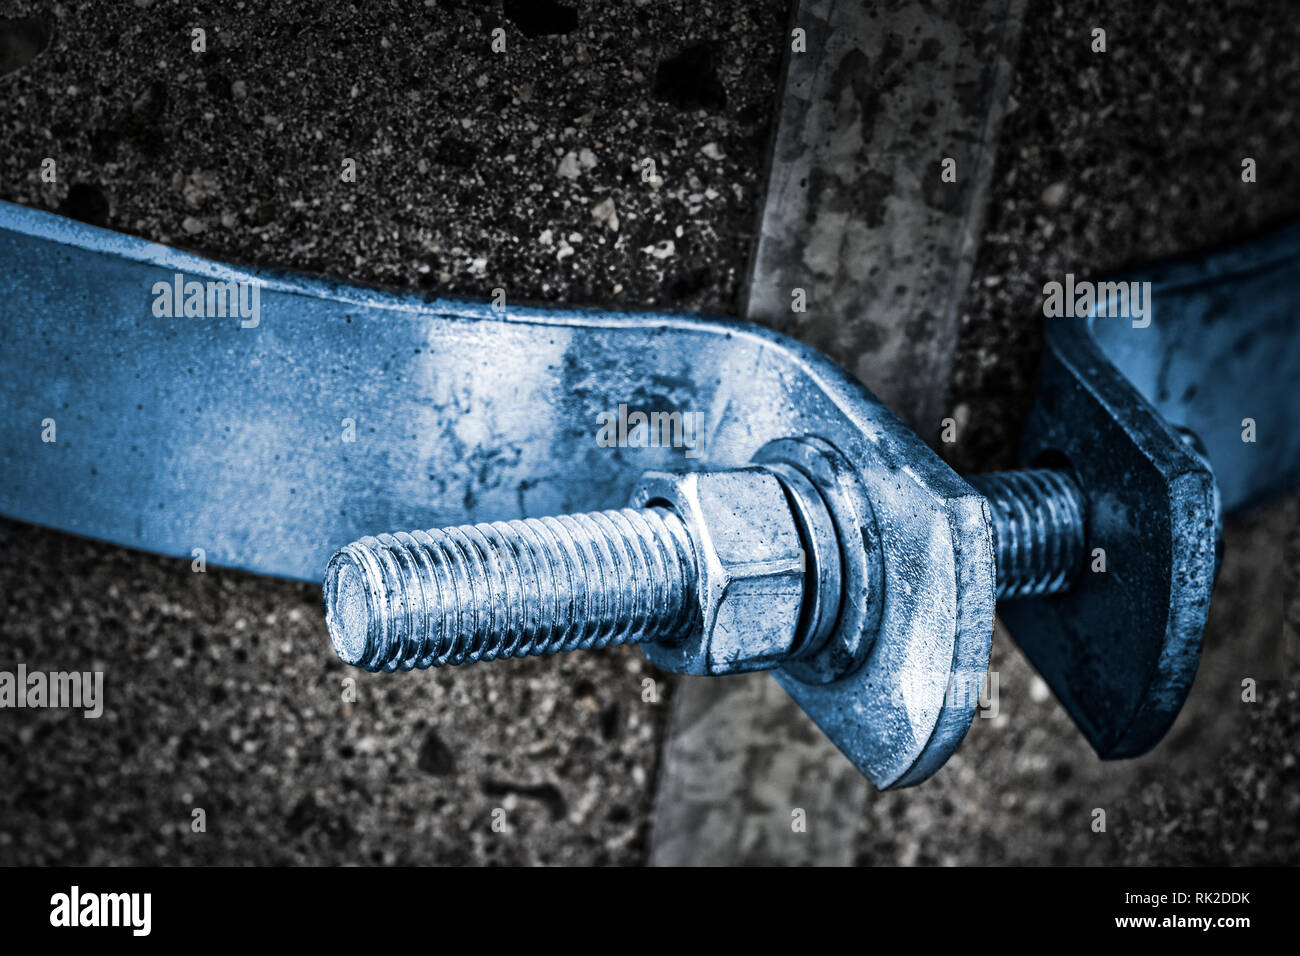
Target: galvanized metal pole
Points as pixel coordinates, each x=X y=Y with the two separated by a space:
x=861 y=231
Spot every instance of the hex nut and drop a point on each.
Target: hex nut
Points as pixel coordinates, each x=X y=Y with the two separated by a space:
x=750 y=565
x=858 y=580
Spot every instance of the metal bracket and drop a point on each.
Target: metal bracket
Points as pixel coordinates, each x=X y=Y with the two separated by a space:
x=1148 y=414
x=1120 y=647
x=177 y=433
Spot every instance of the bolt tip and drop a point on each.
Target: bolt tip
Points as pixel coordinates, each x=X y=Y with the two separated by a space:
x=347 y=607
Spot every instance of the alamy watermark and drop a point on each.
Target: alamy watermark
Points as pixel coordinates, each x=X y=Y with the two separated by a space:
x=210 y=299
x=79 y=690
x=638 y=429
x=975 y=690
x=74 y=908
x=1123 y=300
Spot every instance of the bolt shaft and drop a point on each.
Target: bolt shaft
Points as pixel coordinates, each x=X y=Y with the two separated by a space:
x=1038 y=530
x=511 y=589
x=545 y=585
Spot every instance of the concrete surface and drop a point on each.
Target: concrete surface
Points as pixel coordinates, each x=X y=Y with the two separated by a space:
x=222 y=694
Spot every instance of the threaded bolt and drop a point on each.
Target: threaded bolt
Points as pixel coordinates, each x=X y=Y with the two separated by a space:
x=1038 y=530
x=510 y=589
x=545 y=585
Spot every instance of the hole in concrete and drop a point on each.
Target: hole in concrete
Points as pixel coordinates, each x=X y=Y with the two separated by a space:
x=21 y=41
x=86 y=203
x=539 y=18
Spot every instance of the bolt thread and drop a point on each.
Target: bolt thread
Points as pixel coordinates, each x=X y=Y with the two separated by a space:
x=1038 y=530
x=510 y=589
